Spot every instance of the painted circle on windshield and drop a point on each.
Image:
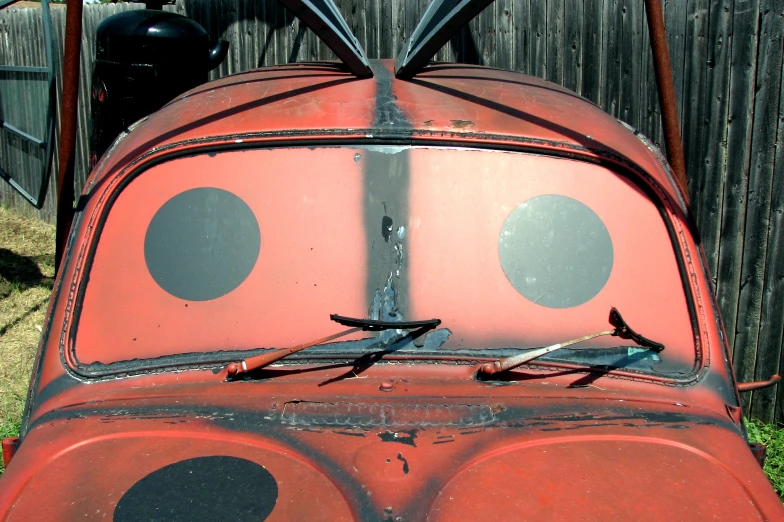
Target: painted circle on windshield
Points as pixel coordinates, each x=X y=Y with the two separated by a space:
x=202 y=244
x=555 y=251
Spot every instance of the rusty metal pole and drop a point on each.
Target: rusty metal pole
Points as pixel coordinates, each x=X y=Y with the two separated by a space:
x=68 y=117
x=666 y=89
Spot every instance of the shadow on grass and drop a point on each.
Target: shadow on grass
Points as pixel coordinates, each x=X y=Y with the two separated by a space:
x=22 y=272
x=19 y=273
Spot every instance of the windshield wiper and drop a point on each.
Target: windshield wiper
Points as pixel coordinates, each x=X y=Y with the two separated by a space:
x=621 y=330
x=359 y=325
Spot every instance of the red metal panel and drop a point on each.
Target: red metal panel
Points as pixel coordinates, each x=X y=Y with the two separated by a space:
x=526 y=457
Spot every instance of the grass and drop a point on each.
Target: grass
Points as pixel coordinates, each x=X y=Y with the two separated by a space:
x=773 y=438
x=26 y=274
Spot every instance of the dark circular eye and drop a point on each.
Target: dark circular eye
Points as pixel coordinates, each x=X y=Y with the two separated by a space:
x=203 y=488
x=555 y=251
x=202 y=244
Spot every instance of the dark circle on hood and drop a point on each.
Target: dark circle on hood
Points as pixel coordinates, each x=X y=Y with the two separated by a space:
x=202 y=244
x=203 y=488
x=556 y=251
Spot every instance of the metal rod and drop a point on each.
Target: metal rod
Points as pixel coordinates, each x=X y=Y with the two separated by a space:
x=758 y=385
x=666 y=90
x=13 y=130
x=24 y=69
x=68 y=116
x=259 y=361
x=518 y=360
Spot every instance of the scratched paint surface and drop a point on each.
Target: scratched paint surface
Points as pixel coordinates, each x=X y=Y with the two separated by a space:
x=382 y=232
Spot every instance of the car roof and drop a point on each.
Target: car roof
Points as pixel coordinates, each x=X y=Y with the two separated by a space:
x=445 y=103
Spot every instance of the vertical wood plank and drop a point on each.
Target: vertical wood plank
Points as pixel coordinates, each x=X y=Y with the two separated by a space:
x=555 y=41
x=358 y=23
x=521 y=20
x=593 y=57
x=709 y=183
x=387 y=32
x=487 y=24
x=573 y=45
x=504 y=34
x=629 y=54
x=756 y=359
x=692 y=117
x=772 y=332
x=675 y=22
x=743 y=66
x=650 y=113
x=537 y=57
x=372 y=20
x=613 y=27
x=398 y=26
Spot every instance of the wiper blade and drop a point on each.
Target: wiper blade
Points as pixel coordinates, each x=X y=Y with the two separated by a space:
x=367 y=325
x=375 y=326
x=621 y=330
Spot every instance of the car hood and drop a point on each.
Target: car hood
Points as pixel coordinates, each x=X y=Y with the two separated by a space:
x=429 y=460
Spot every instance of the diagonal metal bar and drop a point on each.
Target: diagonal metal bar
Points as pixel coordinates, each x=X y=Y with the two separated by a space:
x=324 y=19
x=13 y=130
x=23 y=69
x=6 y=3
x=441 y=20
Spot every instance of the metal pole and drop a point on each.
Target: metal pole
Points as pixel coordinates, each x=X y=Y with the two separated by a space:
x=68 y=116
x=666 y=89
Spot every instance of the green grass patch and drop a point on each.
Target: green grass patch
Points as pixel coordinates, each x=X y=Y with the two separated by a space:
x=26 y=277
x=773 y=438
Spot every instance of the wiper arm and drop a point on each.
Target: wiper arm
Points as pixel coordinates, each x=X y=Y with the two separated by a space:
x=367 y=325
x=621 y=330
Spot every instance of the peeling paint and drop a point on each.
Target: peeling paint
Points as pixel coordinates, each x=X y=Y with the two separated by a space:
x=401 y=458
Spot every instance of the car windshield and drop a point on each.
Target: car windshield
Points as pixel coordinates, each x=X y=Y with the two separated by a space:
x=250 y=249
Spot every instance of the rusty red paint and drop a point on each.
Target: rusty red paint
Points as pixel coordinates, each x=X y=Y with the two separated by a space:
x=114 y=400
x=757 y=385
x=70 y=100
x=666 y=91
x=9 y=448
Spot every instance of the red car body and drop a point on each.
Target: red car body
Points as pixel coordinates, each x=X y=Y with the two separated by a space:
x=386 y=199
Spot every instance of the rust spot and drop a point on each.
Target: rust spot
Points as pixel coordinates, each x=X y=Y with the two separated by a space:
x=403 y=437
x=461 y=124
x=496 y=408
x=386 y=387
x=428 y=123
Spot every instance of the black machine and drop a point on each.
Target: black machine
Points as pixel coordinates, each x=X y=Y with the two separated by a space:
x=143 y=60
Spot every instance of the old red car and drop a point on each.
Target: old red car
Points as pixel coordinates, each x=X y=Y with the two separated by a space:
x=313 y=291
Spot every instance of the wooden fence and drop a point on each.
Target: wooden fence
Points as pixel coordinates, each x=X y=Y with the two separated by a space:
x=727 y=61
